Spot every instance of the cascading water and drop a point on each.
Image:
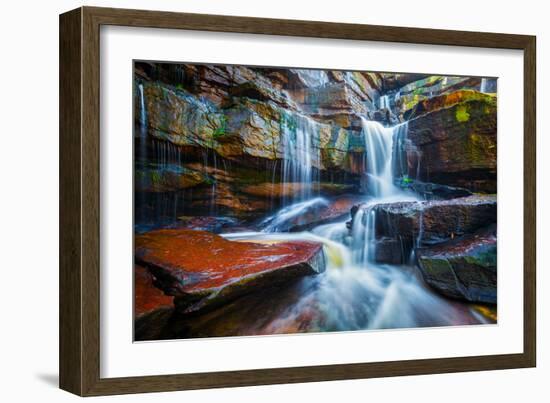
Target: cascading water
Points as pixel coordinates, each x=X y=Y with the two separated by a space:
x=363 y=235
x=354 y=292
x=301 y=154
x=379 y=151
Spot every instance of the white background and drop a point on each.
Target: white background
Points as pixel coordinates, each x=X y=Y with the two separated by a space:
x=29 y=203
x=119 y=357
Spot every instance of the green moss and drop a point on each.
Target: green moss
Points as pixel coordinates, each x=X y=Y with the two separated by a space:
x=462 y=114
x=155 y=177
x=435 y=266
x=484 y=258
x=221 y=130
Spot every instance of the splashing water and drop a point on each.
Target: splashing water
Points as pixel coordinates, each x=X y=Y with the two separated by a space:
x=285 y=216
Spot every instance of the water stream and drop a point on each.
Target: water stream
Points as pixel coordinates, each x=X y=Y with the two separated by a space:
x=355 y=292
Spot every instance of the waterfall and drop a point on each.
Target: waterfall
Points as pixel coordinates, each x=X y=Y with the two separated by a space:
x=300 y=154
x=363 y=233
x=483 y=85
x=384 y=102
x=379 y=150
x=142 y=112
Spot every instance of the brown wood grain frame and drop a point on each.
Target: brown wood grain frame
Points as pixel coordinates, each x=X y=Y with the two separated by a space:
x=80 y=195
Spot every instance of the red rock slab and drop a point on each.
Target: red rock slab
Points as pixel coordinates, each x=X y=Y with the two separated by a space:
x=147 y=297
x=202 y=269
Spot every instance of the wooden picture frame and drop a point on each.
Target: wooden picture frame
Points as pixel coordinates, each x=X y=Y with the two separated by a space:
x=80 y=200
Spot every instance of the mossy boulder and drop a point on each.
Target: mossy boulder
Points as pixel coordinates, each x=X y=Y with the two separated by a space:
x=464 y=268
x=455 y=136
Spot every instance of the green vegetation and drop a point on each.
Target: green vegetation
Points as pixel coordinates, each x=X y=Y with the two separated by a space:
x=462 y=114
x=221 y=130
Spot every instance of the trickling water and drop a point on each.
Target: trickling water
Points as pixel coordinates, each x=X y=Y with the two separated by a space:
x=301 y=153
x=384 y=102
x=363 y=235
x=483 y=85
x=404 y=154
x=142 y=112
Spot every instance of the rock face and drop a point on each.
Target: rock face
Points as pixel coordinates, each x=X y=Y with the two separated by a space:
x=456 y=138
x=464 y=268
x=203 y=270
x=403 y=226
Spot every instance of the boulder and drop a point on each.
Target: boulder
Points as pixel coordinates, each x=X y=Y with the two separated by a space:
x=464 y=268
x=202 y=270
x=437 y=220
x=309 y=214
x=456 y=138
x=402 y=226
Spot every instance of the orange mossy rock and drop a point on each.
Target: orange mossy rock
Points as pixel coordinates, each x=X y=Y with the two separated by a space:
x=148 y=297
x=201 y=269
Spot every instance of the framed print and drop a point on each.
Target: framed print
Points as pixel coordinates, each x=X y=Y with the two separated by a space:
x=273 y=201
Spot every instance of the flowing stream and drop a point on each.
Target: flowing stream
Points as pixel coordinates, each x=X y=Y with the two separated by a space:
x=355 y=292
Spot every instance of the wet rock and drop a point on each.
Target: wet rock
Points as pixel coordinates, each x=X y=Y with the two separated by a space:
x=166 y=178
x=208 y=223
x=434 y=191
x=202 y=270
x=464 y=268
x=314 y=213
x=457 y=142
x=435 y=221
x=402 y=226
x=148 y=298
x=390 y=250
x=445 y=101
x=432 y=86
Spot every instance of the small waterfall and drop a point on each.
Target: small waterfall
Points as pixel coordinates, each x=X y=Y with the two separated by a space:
x=483 y=85
x=301 y=153
x=379 y=150
x=363 y=233
x=142 y=112
x=384 y=102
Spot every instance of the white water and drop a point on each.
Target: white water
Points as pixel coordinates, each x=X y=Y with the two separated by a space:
x=278 y=221
x=142 y=112
x=483 y=86
x=380 y=152
x=301 y=154
x=355 y=292
x=384 y=102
